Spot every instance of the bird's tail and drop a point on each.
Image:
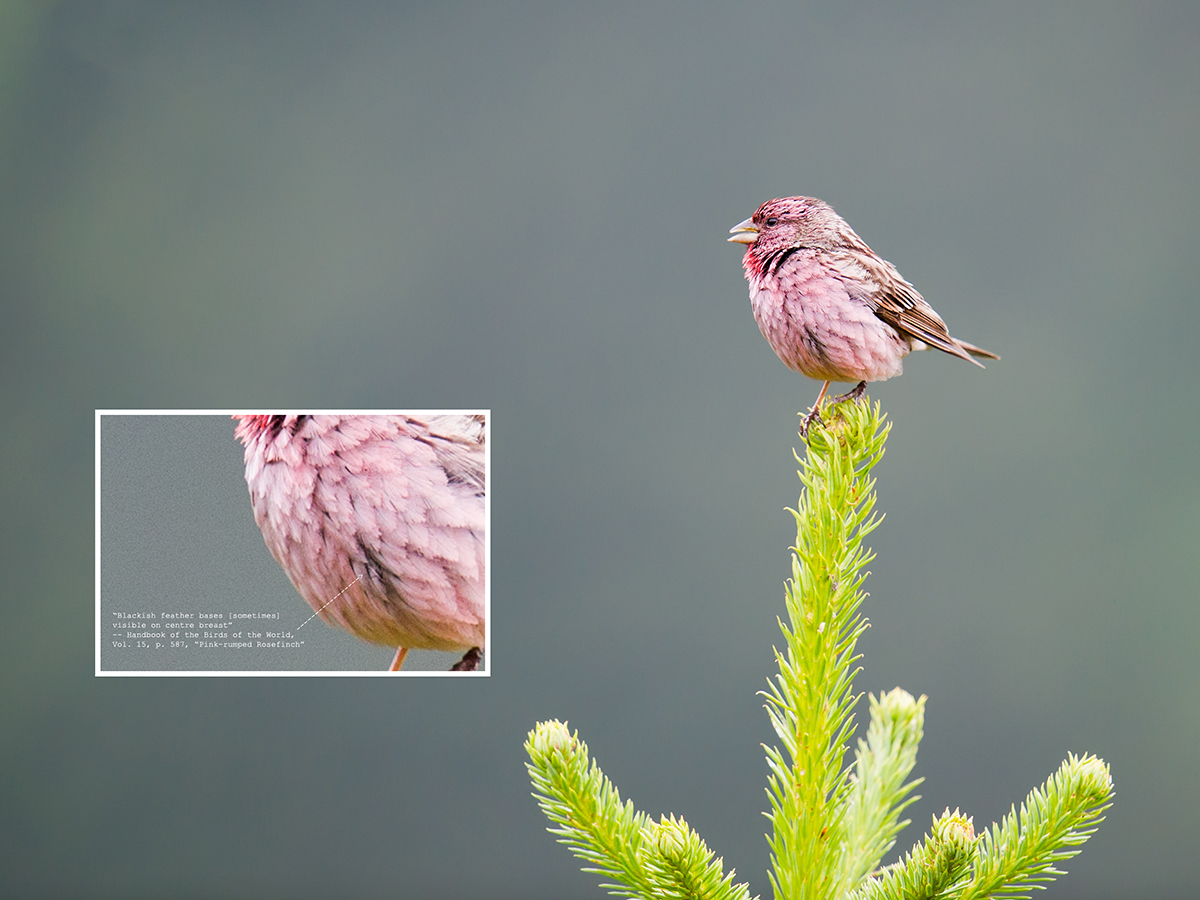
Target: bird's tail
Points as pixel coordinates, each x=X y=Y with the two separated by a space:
x=976 y=351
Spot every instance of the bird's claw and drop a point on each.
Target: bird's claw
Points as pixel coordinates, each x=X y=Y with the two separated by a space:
x=853 y=394
x=469 y=662
x=814 y=415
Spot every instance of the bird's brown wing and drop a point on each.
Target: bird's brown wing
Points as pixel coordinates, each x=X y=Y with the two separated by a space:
x=458 y=442
x=897 y=302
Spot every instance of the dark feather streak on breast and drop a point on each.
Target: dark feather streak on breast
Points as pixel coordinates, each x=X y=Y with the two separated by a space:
x=272 y=426
x=814 y=345
x=781 y=257
x=376 y=569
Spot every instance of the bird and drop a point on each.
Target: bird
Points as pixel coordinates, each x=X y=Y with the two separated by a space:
x=829 y=306
x=378 y=521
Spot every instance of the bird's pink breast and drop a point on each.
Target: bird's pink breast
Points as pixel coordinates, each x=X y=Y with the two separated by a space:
x=817 y=326
x=364 y=518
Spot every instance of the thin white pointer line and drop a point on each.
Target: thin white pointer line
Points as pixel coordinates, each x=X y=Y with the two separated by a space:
x=339 y=593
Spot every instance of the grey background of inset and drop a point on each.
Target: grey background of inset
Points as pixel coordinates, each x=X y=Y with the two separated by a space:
x=178 y=534
x=524 y=208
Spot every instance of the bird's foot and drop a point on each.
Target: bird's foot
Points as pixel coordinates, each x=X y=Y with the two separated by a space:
x=853 y=394
x=814 y=415
x=469 y=662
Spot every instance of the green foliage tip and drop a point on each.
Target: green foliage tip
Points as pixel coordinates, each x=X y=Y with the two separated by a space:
x=831 y=823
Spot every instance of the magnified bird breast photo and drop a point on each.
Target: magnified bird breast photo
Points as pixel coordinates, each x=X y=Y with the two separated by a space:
x=379 y=522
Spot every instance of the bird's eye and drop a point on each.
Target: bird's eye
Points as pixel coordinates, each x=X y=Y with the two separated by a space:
x=772 y=222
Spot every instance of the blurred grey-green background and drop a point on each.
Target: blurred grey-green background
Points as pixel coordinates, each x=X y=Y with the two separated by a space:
x=524 y=207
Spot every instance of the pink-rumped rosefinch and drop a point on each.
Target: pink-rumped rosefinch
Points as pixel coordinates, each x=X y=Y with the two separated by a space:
x=829 y=307
x=378 y=521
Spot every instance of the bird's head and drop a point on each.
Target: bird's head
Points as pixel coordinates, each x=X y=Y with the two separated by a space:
x=791 y=223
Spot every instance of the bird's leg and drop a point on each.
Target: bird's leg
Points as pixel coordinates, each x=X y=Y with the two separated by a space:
x=398 y=659
x=814 y=414
x=853 y=394
x=469 y=662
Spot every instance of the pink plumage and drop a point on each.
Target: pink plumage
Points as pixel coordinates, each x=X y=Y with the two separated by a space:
x=378 y=521
x=830 y=307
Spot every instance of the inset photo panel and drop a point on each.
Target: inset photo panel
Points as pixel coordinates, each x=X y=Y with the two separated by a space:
x=293 y=543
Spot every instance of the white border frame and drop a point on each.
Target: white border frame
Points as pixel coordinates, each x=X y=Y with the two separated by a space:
x=487 y=649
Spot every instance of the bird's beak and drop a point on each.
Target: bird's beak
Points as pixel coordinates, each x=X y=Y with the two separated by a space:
x=744 y=232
